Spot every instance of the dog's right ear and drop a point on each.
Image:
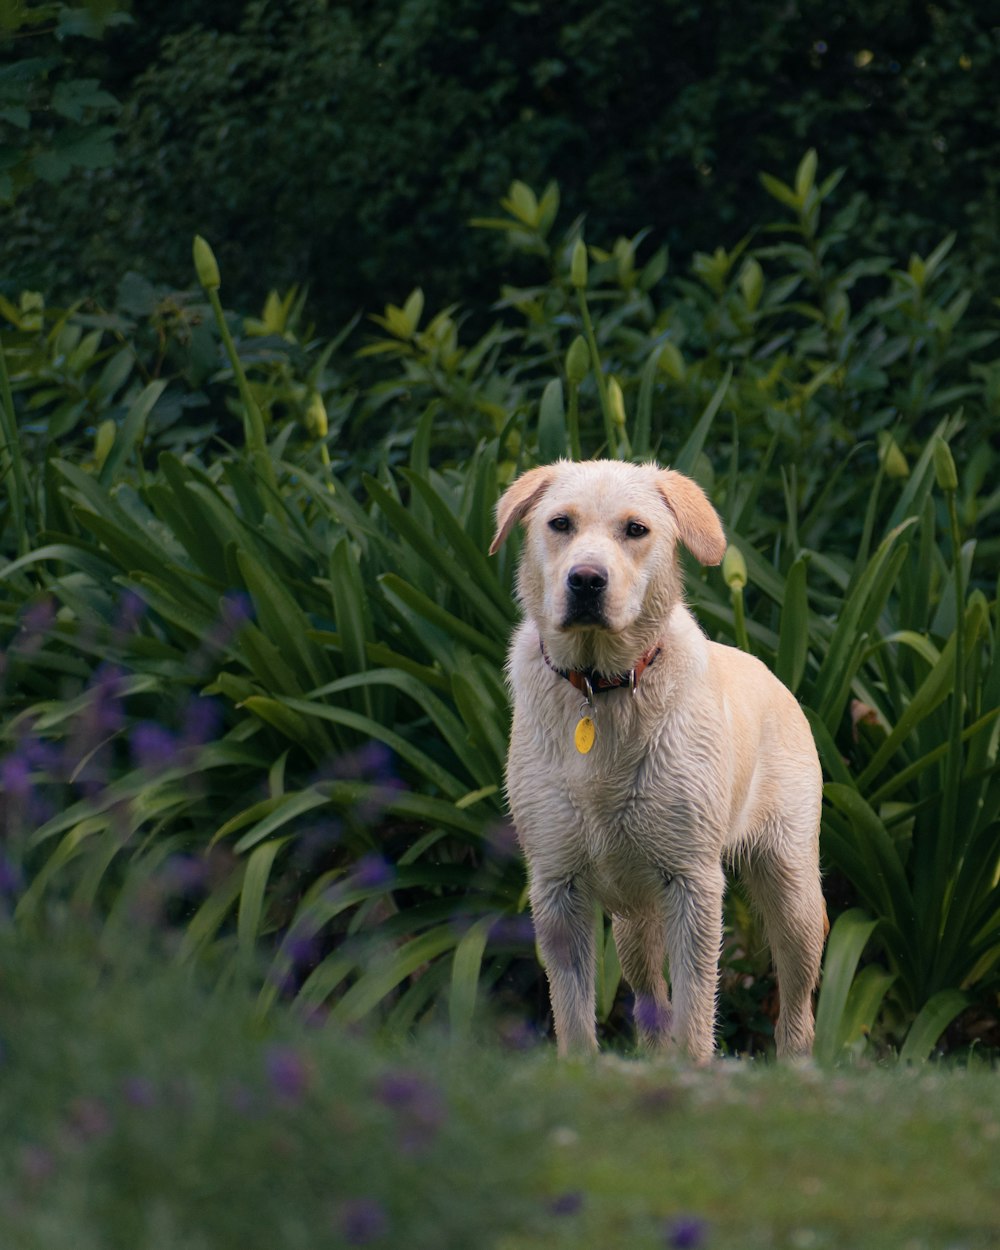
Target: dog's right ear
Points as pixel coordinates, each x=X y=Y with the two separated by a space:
x=518 y=500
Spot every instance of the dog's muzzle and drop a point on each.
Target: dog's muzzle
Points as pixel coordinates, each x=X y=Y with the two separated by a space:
x=585 y=587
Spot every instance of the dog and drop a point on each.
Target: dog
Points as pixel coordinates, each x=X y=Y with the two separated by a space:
x=644 y=759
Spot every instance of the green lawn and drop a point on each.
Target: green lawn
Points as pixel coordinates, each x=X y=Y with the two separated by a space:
x=143 y=1111
x=748 y=1155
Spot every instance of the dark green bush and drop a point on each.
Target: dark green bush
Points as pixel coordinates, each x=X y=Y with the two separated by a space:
x=343 y=145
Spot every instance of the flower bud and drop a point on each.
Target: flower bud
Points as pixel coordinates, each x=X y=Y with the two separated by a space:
x=944 y=466
x=316 y=421
x=734 y=568
x=205 y=264
x=104 y=440
x=578 y=265
x=616 y=400
x=578 y=360
x=891 y=456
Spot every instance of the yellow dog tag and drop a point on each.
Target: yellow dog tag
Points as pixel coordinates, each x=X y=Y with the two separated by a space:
x=583 y=736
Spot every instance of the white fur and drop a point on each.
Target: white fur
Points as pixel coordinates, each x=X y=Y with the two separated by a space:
x=710 y=762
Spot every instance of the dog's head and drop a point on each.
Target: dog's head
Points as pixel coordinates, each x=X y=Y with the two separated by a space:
x=599 y=573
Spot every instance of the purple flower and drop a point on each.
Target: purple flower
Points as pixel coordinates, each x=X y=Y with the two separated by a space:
x=417 y=1104
x=131 y=609
x=517 y=1034
x=568 y=1203
x=287 y=1073
x=15 y=777
x=363 y=1221
x=139 y=1091
x=301 y=945
x=513 y=931
x=153 y=747
x=651 y=1016
x=37 y=620
x=89 y=1118
x=37 y=1164
x=105 y=715
x=11 y=877
x=371 y=762
x=685 y=1232
x=40 y=754
x=235 y=611
x=371 y=872
x=185 y=874
x=202 y=718
x=501 y=842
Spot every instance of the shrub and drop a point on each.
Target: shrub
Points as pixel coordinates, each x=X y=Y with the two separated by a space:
x=317 y=609
x=404 y=119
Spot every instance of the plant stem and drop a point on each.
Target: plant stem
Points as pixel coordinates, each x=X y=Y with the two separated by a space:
x=602 y=385
x=953 y=767
x=739 y=619
x=573 y=421
x=253 y=420
x=14 y=465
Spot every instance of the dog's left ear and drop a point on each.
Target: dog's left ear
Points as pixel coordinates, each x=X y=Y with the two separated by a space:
x=518 y=500
x=697 y=521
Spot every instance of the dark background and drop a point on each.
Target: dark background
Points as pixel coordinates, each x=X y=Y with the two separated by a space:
x=345 y=146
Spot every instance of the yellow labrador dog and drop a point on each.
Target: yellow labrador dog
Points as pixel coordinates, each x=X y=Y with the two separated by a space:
x=644 y=757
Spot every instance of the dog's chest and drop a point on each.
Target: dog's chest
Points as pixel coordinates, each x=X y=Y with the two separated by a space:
x=629 y=798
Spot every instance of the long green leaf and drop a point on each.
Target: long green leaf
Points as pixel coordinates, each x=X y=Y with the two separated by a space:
x=441 y=619
x=932 y=1020
x=793 y=639
x=290 y=807
x=438 y=558
x=453 y=730
x=845 y=946
x=130 y=431
x=430 y=771
x=687 y=457
x=472 y=562
x=252 y=898
x=371 y=989
x=858 y=615
x=933 y=690
x=885 y=882
x=284 y=622
x=465 y=972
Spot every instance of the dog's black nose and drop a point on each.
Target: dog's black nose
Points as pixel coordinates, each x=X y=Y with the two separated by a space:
x=587 y=580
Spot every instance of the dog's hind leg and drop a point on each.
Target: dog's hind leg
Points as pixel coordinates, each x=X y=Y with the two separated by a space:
x=785 y=888
x=642 y=942
x=563 y=915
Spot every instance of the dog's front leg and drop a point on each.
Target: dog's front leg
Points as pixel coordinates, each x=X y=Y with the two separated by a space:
x=694 y=943
x=563 y=913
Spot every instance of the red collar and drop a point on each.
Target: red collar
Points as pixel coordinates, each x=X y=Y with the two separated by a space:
x=589 y=682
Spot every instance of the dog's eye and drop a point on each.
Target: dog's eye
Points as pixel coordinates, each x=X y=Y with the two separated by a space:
x=560 y=524
x=636 y=529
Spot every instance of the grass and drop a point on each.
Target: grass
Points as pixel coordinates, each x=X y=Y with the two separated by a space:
x=143 y=1110
x=747 y=1155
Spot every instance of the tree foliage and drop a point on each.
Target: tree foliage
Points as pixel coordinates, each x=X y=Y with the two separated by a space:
x=345 y=143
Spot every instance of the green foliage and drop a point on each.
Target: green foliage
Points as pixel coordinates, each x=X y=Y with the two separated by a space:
x=62 y=123
x=123 y=1129
x=254 y=677
x=140 y=1109
x=406 y=118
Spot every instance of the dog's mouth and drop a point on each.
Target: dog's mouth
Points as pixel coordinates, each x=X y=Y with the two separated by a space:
x=584 y=616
